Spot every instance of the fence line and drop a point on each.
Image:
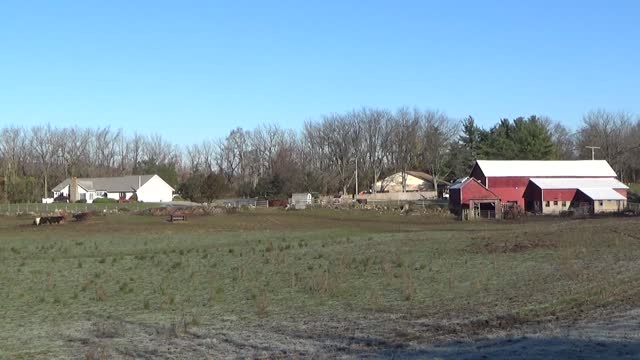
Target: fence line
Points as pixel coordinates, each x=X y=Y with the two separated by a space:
x=38 y=208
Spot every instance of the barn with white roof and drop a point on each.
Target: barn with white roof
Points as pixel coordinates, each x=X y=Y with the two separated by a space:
x=554 y=195
x=545 y=187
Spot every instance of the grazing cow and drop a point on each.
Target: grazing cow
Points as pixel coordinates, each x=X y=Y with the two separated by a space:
x=56 y=219
x=48 y=220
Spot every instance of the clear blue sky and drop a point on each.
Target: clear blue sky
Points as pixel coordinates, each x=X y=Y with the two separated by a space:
x=190 y=70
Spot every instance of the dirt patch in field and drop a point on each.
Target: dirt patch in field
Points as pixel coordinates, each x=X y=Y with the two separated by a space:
x=515 y=243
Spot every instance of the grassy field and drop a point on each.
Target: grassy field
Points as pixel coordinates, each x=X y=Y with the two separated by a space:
x=296 y=283
x=37 y=208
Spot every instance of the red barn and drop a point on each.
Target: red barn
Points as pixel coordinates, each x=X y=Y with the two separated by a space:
x=470 y=194
x=554 y=195
x=548 y=186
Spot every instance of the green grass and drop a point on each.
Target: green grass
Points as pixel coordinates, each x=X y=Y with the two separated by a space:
x=12 y=209
x=274 y=265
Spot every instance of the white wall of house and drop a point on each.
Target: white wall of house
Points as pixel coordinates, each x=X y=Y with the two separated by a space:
x=64 y=192
x=90 y=196
x=117 y=195
x=82 y=193
x=155 y=190
x=393 y=183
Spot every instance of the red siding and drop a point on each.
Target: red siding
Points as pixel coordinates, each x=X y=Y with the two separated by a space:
x=558 y=194
x=474 y=191
x=509 y=188
x=622 y=192
x=508 y=182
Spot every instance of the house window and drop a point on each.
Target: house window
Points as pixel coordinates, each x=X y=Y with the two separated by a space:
x=83 y=196
x=123 y=195
x=564 y=204
x=600 y=202
x=546 y=204
x=90 y=196
x=555 y=203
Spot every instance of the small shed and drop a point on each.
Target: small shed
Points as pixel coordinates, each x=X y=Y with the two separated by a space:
x=469 y=199
x=301 y=200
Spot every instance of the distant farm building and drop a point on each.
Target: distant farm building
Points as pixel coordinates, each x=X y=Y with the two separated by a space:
x=415 y=181
x=473 y=200
x=148 y=188
x=542 y=187
x=553 y=195
x=301 y=200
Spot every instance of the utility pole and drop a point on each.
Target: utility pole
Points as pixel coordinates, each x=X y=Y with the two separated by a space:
x=593 y=151
x=357 y=177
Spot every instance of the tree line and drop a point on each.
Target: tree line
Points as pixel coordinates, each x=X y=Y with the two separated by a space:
x=322 y=157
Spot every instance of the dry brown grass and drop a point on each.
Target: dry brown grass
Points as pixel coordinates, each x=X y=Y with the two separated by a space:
x=98 y=352
x=409 y=286
x=262 y=303
x=319 y=283
x=101 y=293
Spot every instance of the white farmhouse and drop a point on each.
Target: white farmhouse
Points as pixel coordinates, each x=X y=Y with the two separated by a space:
x=148 y=188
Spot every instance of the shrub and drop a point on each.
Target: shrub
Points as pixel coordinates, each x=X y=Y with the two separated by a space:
x=230 y=210
x=103 y=200
x=61 y=199
x=81 y=201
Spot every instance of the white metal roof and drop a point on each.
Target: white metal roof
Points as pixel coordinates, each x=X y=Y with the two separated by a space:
x=546 y=168
x=602 y=194
x=576 y=183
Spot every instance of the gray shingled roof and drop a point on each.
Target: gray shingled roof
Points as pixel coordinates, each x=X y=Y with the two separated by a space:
x=108 y=184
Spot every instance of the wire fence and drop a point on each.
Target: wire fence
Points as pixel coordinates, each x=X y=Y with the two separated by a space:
x=37 y=208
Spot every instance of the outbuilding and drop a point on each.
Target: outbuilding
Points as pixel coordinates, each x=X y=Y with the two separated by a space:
x=555 y=195
x=469 y=199
x=301 y=200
